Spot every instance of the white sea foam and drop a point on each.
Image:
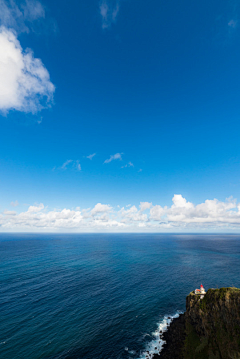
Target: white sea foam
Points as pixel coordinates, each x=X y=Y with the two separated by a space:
x=155 y=345
x=132 y=352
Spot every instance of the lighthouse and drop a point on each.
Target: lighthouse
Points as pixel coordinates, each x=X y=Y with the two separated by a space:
x=200 y=291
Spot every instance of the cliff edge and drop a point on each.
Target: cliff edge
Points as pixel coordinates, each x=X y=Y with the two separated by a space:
x=210 y=327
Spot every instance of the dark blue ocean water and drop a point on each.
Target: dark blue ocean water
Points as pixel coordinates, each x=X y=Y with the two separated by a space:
x=102 y=296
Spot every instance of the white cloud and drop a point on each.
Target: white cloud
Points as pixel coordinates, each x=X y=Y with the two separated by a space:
x=145 y=205
x=38 y=218
x=24 y=81
x=129 y=164
x=33 y=10
x=78 y=166
x=180 y=216
x=109 y=11
x=14 y=204
x=20 y=17
x=65 y=164
x=91 y=156
x=156 y=212
x=36 y=208
x=132 y=215
x=9 y=213
x=74 y=164
x=117 y=156
x=208 y=214
x=180 y=202
x=100 y=208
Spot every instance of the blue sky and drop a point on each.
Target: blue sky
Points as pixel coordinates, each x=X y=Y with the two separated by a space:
x=154 y=85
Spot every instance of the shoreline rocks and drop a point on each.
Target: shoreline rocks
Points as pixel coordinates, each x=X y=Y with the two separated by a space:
x=174 y=338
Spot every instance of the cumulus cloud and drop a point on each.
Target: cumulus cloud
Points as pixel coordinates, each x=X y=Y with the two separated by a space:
x=24 y=81
x=145 y=205
x=132 y=215
x=9 y=213
x=109 y=10
x=156 y=212
x=180 y=202
x=36 y=208
x=38 y=218
x=100 y=208
x=182 y=215
x=209 y=213
x=117 y=156
x=90 y=157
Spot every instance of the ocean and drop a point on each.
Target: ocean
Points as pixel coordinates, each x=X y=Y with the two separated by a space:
x=102 y=296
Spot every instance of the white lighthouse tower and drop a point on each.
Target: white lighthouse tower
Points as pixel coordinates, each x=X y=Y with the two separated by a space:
x=200 y=291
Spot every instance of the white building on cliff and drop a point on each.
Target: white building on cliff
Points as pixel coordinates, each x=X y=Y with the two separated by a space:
x=200 y=291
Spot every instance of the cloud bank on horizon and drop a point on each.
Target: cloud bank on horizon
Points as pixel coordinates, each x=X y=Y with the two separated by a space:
x=24 y=81
x=180 y=216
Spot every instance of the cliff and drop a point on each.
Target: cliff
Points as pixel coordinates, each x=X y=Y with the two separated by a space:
x=210 y=327
x=213 y=325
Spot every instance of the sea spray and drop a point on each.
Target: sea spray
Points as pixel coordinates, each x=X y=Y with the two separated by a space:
x=155 y=345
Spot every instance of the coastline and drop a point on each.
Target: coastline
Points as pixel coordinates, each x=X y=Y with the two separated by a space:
x=210 y=327
x=174 y=340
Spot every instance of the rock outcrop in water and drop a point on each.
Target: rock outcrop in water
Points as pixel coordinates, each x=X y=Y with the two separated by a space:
x=209 y=329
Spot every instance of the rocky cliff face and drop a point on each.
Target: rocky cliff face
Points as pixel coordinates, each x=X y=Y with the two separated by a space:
x=212 y=325
x=209 y=329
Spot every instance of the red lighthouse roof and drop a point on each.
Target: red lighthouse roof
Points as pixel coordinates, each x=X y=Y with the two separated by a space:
x=201 y=286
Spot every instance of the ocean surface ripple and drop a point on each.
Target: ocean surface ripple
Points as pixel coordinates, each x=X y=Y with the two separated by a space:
x=102 y=296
